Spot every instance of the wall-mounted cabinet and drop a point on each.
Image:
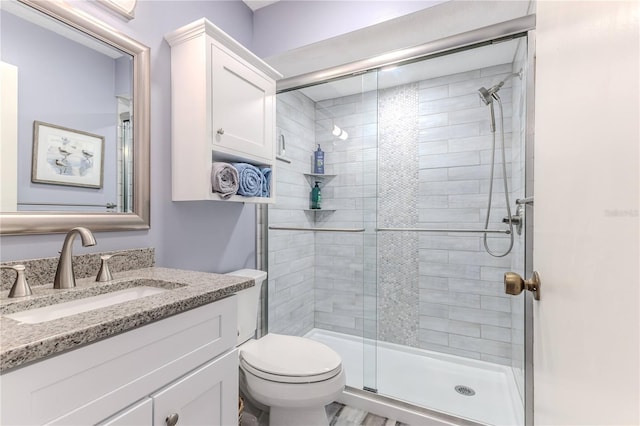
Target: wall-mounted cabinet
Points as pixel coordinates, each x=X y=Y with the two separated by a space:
x=223 y=109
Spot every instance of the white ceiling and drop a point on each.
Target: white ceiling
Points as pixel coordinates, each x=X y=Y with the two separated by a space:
x=257 y=4
x=440 y=21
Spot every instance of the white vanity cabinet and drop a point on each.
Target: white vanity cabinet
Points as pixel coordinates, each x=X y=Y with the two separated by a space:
x=203 y=397
x=185 y=364
x=138 y=414
x=223 y=109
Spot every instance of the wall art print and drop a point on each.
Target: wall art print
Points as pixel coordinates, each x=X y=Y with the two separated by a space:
x=63 y=156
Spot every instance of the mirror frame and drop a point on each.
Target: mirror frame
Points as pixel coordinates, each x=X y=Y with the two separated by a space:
x=22 y=223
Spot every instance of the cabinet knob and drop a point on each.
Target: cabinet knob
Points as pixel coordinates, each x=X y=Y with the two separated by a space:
x=172 y=419
x=220 y=131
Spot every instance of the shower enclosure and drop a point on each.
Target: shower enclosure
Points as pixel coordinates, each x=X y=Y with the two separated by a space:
x=423 y=207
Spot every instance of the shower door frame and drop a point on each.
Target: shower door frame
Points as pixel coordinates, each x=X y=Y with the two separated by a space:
x=519 y=27
x=529 y=143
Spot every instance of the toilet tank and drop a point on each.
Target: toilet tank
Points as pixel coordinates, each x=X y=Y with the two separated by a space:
x=248 y=300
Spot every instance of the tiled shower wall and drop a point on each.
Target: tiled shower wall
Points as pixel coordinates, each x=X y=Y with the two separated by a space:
x=344 y=287
x=463 y=309
x=438 y=291
x=292 y=254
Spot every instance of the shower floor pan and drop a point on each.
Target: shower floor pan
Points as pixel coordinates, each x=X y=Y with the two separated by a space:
x=476 y=390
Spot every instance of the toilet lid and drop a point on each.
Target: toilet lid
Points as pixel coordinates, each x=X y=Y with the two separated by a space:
x=289 y=359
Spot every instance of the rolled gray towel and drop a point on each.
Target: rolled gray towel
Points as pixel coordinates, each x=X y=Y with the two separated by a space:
x=224 y=179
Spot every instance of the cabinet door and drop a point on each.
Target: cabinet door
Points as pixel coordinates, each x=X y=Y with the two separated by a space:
x=207 y=396
x=137 y=415
x=242 y=104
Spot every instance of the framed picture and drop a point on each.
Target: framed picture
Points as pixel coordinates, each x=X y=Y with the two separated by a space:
x=63 y=156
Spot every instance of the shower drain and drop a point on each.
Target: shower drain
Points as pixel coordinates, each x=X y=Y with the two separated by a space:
x=464 y=390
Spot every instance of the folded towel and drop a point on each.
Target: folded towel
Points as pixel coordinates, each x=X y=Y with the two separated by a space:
x=224 y=179
x=250 y=180
x=266 y=181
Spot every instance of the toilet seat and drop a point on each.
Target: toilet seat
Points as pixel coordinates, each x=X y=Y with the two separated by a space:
x=289 y=359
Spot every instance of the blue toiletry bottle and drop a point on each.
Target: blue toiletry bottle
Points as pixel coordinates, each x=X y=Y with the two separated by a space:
x=316 y=197
x=318 y=161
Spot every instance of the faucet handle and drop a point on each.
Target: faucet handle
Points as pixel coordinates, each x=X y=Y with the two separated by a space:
x=20 y=286
x=104 y=274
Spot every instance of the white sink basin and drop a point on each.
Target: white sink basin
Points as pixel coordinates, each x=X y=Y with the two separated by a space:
x=60 y=310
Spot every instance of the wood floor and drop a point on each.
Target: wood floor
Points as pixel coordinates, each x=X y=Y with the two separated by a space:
x=338 y=414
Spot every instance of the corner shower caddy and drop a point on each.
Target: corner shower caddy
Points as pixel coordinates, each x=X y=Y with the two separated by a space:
x=322 y=180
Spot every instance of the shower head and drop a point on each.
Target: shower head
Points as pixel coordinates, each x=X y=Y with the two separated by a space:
x=488 y=95
x=485 y=96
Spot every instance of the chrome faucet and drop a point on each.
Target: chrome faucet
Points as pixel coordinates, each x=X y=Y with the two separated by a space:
x=65 y=278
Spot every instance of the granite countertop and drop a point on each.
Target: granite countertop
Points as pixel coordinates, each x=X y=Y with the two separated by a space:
x=21 y=343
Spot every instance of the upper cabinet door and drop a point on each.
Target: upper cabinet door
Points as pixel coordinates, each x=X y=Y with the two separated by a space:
x=242 y=107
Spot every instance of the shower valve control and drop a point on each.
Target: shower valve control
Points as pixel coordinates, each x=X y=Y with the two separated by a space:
x=514 y=284
x=516 y=219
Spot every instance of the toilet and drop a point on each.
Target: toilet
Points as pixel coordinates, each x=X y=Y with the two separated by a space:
x=294 y=377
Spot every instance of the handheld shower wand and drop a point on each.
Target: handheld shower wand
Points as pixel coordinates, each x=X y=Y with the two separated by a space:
x=487 y=96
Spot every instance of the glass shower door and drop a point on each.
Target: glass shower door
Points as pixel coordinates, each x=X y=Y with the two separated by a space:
x=346 y=127
x=449 y=338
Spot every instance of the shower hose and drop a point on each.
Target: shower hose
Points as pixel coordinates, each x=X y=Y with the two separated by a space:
x=506 y=188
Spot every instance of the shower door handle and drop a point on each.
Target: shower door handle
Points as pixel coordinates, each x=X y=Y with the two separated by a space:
x=514 y=284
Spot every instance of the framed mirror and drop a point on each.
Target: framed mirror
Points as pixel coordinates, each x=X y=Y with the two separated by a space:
x=75 y=122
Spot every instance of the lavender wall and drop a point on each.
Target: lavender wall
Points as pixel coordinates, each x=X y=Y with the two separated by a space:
x=287 y=25
x=206 y=236
x=44 y=60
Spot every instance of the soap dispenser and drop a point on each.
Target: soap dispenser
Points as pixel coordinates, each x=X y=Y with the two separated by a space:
x=316 y=197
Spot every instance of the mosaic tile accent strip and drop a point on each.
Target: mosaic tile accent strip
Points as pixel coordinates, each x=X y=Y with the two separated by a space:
x=398 y=307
